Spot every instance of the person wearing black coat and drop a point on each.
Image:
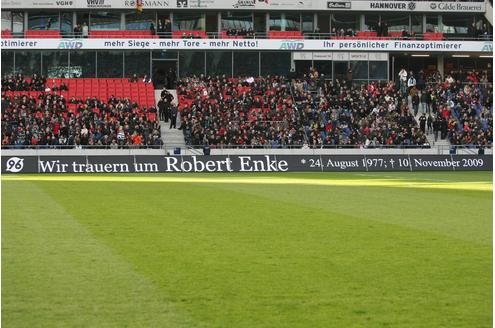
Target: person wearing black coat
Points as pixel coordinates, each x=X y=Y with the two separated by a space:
x=173 y=117
x=161 y=109
x=425 y=101
x=379 y=28
x=422 y=122
x=444 y=126
x=384 y=28
x=436 y=127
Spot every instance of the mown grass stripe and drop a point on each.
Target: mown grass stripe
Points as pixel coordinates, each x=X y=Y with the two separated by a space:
x=396 y=183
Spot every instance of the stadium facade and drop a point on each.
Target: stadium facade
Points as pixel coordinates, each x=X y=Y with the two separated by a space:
x=337 y=37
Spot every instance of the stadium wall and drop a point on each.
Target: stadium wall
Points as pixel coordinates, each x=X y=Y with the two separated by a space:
x=242 y=152
x=43 y=164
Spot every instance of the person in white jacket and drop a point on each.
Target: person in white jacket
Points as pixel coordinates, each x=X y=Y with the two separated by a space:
x=403 y=80
x=85 y=30
x=411 y=82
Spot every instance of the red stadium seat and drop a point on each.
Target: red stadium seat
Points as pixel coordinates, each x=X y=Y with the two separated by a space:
x=6 y=34
x=286 y=35
x=42 y=34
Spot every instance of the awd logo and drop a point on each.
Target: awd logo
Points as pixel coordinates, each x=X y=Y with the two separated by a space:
x=70 y=44
x=487 y=46
x=292 y=45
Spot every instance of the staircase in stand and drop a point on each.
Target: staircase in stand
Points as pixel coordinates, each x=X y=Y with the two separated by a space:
x=440 y=144
x=172 y=138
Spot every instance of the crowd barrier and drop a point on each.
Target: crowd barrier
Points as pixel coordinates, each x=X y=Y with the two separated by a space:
x=242 y=163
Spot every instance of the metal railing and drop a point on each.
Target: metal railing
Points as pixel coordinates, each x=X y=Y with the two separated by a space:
x=169 y=146
x=258 y=35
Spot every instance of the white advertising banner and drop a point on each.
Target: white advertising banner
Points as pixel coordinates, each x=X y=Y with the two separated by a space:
x=378 y=56
x=322 y=55
x=379 y=5
x=302 y=55
x=358 y=56
x=251 y=44
x=411 y=6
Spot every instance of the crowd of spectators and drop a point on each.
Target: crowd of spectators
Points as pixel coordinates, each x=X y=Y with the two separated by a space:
x=46 y=120
x=244 y=111
x=343 y=32
x=367 y=115
x=251 y=112
x=18 y=82
x=164 y=27
x=81 y=30
x=270 y=111
x=191 y=35
x=479 y=29
x=462 y=108
x=244 y=33
x=457 y=106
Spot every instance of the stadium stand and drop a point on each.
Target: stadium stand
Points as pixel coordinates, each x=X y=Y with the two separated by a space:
x=261 y=112
x=138 y=92
x=229 y=111
x=78 y=112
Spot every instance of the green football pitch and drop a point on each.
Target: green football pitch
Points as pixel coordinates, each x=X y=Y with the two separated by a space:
x=245 y=250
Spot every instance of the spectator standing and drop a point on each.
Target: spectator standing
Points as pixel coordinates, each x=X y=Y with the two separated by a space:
x=411 y=81
x=384 y=28
x=414 y=93
x=85 y=30
x=443 y=127
x=77 y=31
x=422 y=123
x=160 y=29
x=429 y=123
x=161 y=110
x=173 y=117
x=379 y=29
x=403 y=81
x=436 y=127
x=425 y=101
x=167 y=26
x=152 y=29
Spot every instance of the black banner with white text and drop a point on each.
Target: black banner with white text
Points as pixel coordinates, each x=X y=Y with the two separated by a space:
x=243 y=163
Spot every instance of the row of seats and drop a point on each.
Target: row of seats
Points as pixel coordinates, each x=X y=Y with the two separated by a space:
x=102 y=88
x=72 y=108
x=6 y=34
x=433 y=36
x=296 y=35
x=34 y=34
x=40 y=34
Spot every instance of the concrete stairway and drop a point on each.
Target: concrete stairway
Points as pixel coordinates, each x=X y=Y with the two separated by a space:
x=441 y=145
x=172 y=138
